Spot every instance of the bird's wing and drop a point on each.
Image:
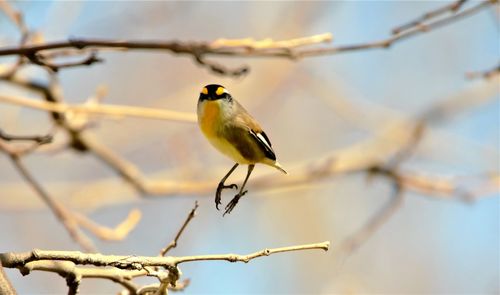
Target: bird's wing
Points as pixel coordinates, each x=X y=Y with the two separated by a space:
x=244 y=121
x=264 y=143
x=250 y=142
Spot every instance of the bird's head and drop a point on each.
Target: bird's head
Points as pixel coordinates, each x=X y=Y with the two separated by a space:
x=214 y=92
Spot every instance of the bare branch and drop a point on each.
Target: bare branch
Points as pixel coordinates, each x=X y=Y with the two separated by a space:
x=15 y=16
x=132 y=262
x=173 y=244
x=18 y=151
x=486 y=74
x=39 y=139
x=419 y=22
x=477 y=94
x=219 y=47
x=74 y=274
x=411 y=32
x=409 y=148
x=220 y=69
x=353 y=242
x=198 y=50
x=252 y=44
x=390 y=170
x=5 y=285
x=47 y=91
x=104 y=233
x=246 y=258
x=17 y=19
x=291 y=49
x=72 y=220
x=102 y=109
x=41 y=60
x=57 y=208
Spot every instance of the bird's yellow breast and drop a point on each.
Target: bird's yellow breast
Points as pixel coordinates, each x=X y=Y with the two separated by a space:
x=209 y=118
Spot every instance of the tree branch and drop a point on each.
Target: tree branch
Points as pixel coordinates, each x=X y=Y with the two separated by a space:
x=132 y=262
x=41 y=60
x=173 y=244
x=74 y=274
x=101 y=109
x=105 y=233
x=419 y=22
x=72 y=220
x=57 y=208
x=246 y=258
x=291 y=49
x=408 y=33
x=486 y=74
x=354 y=241
x=5 y=285
x=15 y=16
x=39 y=139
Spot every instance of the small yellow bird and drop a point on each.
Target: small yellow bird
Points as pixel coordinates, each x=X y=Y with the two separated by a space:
x=231 y=130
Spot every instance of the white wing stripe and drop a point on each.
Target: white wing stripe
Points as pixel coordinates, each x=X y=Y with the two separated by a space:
x=263 y=139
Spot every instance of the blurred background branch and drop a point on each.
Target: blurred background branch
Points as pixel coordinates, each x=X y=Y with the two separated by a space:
x=248 y=47
x=5 y=285
x=486 y=74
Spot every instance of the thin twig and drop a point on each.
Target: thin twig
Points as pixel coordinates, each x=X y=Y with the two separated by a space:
x=173 y=244
x=246 y=258
x=42 y=61
x=169 y=281
x=451 y=8
x=21 y=150
x=219 y=69
x=412 y=32
x=39 y=139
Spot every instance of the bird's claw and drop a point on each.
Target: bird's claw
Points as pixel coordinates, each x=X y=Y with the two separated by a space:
x=218 y=193
x=230 y=206
x=217 y=200
x=233 y=185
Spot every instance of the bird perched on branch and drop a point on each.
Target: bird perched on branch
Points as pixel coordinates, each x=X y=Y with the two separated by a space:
x=236 y=134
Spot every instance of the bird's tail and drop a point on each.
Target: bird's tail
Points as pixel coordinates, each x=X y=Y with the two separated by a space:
x=278 y=166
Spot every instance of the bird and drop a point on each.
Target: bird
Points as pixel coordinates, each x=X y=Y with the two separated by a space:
x=235 y=133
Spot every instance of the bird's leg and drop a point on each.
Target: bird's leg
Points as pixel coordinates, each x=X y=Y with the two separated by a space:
x=230 y=206
x=222 y=186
